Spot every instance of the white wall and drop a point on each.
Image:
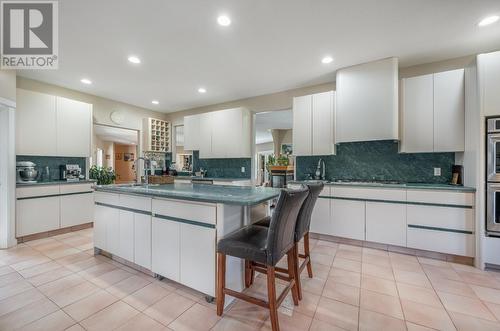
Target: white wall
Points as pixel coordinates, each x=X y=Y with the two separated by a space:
x=8 y=84
x=7 y=158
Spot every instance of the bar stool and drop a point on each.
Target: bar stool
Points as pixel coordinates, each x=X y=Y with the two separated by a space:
x=264 y=247
x=301 y=231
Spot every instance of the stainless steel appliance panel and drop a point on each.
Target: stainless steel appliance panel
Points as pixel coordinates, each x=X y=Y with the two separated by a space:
x=493 y=209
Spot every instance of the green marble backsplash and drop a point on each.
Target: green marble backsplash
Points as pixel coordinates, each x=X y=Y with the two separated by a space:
x=223 y=168
x=378 y=160
x=53 y=162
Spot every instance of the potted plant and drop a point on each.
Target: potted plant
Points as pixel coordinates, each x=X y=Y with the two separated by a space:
x=103 y=176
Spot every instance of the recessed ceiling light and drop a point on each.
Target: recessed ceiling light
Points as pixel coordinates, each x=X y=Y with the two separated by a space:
x=134 y=59
x=86 y=81
x=202 y=90
x=488 y=20
x=327 y=59
x=155 y=102
x=224 y=20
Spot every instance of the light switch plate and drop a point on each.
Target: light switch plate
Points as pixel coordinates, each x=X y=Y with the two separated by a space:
x=437 y=171
x=242 y=169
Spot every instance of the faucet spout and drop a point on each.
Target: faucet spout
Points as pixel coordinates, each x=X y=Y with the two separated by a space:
x=147 y=164
x=320 y=170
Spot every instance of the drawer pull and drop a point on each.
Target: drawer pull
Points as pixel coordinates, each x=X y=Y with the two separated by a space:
x=438 y=229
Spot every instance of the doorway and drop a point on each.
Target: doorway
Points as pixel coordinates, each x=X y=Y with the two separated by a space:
x=273 y=137
x=117 y=149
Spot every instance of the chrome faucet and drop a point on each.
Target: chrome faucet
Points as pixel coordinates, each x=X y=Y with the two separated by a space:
x=147 y=165
x=320 y=170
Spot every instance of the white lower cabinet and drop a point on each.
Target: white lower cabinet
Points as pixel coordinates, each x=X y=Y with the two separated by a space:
x=142 y=240
x=183 y=241
x=442 y=229
x=320 y=219
x=433 y=220
x=386 y=223
x=121 y=232
x=77 y=209
x=166 y=248
x=126 y=240
x=102 y=214
x=113 y=231
x=43 y=208
x=36 y=215
x=197 y=257
x=441 y=241
x=348 y=219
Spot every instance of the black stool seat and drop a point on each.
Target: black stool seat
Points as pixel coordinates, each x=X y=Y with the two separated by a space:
x=249 y=243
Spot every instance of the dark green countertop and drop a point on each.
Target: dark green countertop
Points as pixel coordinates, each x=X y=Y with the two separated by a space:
x=215 y=179
x=232 y=195
x=56 y=182
x=418 y=186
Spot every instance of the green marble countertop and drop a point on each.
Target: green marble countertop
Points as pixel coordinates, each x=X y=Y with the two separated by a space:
x=56 y=182
x=418 y=186
x=215 y=179
x=232 y=195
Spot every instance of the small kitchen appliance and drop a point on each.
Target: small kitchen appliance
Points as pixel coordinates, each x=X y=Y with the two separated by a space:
x=71 y=172
x=26 y=172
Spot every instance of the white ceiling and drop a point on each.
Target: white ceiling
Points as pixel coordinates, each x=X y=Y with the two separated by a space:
x=117 y=135
x=270 y=46
x=264 y=122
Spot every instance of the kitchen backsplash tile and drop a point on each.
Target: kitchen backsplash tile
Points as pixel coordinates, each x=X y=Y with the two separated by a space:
x=378 y=160
x=53 y=162
x=222 y=168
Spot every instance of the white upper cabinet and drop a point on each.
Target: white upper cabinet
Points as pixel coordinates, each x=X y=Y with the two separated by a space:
x=449 y=111
x=322 y=123
x=36 y=132
x=433 y=113
x=47 y=125
x=313 y=124
x=417 y=114
x=74 y=127
x=367 y=102
x=192 y=132
x=219 y=134
x=302 y=125
x=489 y=83
x=205 y=135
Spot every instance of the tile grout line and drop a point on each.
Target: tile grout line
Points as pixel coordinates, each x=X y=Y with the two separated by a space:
x=399 y=295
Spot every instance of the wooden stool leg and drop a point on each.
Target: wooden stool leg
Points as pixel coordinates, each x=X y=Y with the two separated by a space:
x=297 y=270
x=308 y=255
x=252 y=275
x=221 y=282
x=292 y=273
x=248 y=274
x=271 y=293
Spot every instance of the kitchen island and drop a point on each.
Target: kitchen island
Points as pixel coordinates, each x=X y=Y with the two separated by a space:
x=172 y=230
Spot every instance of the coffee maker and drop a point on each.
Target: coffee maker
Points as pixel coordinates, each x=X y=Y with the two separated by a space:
x=71 y=172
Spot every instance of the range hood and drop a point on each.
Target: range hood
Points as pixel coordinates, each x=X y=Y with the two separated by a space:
x=367 y=102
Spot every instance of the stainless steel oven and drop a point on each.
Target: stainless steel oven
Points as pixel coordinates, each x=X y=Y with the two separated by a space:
x=493 y=209
x=493 y=150
x=493 y=177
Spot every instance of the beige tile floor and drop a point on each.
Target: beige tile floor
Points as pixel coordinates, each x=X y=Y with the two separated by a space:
x=57 y=284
